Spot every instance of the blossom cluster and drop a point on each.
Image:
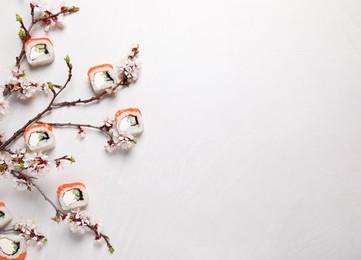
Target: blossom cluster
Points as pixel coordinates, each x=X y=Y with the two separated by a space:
x=30 y=164
x=80 y=222
x=24 y=86
x=129 y=68
x=30 y=230
x=116 y=140
x=51 y=17
x=23 y=166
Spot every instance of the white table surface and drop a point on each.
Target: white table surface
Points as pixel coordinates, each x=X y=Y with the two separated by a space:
x=252 y=141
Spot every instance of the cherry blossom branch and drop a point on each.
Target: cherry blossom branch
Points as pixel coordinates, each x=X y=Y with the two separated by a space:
x=41 y=114
x=60 y=214
x=25 y=32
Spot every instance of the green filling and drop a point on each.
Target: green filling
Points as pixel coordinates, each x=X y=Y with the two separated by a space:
x=2 y=214
x=78 y=194
x=16 y=246
x=107 y=77
x=41 y=48
x=43 y=136
x=133 y=120
x=128 y=122
x=38 y=50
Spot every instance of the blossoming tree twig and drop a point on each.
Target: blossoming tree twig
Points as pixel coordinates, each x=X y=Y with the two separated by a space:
x=26 y=166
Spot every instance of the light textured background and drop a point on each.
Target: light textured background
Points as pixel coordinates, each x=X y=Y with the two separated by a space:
x=252 y=142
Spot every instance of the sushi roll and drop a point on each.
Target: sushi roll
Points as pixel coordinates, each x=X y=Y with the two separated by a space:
x=39 y=137
x=102 y=77
x=72 y=196
x=12 y=247
x=5 y=215
x=39 y=51
x=129 y=121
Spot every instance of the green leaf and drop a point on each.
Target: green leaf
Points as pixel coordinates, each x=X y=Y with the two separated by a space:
x=22 y=74
x=76 y=8
x=71 y=159
x=18 y=18
x=56 y=218
x=50 y=85
x=21 y=33
x=21 y=166
x=111 y=250
x=2 y=167
x=67 y=59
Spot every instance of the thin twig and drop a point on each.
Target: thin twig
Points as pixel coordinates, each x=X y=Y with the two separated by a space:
x=79 y=126
x=80 y=101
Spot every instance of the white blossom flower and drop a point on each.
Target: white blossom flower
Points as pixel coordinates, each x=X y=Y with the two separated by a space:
x=110 y=146
x=31 y=231
x=43 y=10
x=36 y=164
x=126 y=144
x=81 y=222
x=4 y=106
x=117 y=140
x=128 y=71
x=129 y=68
x=24 y=86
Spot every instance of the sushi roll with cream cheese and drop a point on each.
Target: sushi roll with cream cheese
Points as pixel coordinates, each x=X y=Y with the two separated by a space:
x=12 y=247
x=39 y=137
x=129 y=121
x=102 y=77
x=72 y=196
x=5 y=215
x=39 y=51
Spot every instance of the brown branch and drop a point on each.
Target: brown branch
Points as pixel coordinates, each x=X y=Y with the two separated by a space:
x=73 y=9
x=79 y=126
x=57 y=210
x=79 y=101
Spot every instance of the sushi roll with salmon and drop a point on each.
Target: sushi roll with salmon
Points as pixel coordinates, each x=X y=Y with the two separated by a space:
x=5 y=215
x=102 y=77
x=12 y=247
x=72 y=196
x=39 y=137
x=129 y=121
x=39 y=51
